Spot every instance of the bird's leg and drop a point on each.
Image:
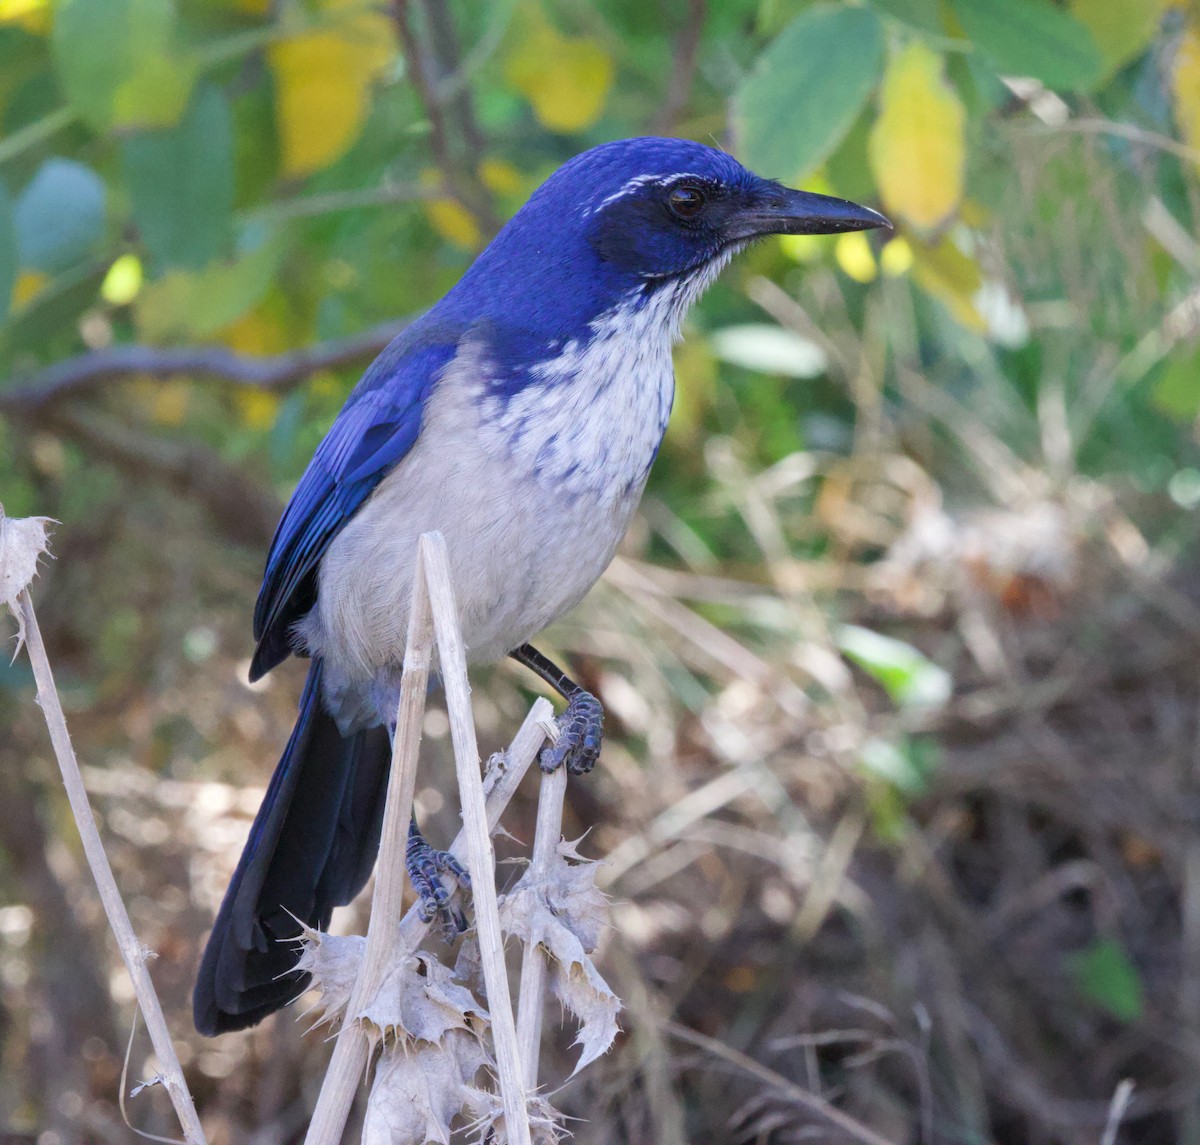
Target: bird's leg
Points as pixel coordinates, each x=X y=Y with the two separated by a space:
x=581 y=725
x=425 y=867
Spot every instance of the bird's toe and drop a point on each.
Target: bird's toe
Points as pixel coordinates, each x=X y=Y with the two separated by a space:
x=426 y=867
x=580 y=733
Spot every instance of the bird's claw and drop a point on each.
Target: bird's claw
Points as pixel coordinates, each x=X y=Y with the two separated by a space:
x=426 y=866
x=580 y=730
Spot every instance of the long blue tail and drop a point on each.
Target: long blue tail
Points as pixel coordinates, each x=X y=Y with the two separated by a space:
x=311 y=848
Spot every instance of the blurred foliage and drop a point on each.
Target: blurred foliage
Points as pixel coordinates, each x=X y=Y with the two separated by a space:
x=979 y=433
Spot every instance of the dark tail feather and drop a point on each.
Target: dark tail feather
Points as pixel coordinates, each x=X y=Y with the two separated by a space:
x=311 y=848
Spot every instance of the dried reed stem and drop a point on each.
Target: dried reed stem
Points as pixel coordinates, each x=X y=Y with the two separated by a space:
x=504 y=774
x=132 y=951
x=352 y=1049
x=531 y=1001
x=480 y=855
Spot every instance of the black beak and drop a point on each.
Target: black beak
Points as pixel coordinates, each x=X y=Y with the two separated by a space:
x=782 y=211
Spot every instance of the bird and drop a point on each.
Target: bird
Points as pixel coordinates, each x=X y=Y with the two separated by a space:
x=520 y=417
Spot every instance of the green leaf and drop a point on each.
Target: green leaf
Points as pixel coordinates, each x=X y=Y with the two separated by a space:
x=8 y=252
x=1177 y=391
x=1104 y=974
x=187 y=305
x=59 y=216
x=905 y=765
x=181 y=183
x=848 y=168
x=118 y=62
x=911 y=679
x=769 y=350
x=1033 y=38
x=924 y=15
x=806 y=89
x=1122 y=29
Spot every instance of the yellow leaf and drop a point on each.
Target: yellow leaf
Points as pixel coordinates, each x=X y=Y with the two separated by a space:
x=805 y=248
x=258 y=333
x=123 y=281
x=896 y=259
x=30 y=284
x=322 y=83
x=917 y=147
x=501 y=177
x=1185 y=87
x=157 y=93
x=454 y=222
x=34 y=16
x=853 y=254
x=565 y=78
x=258 y=408
x=952 y=277
x=449 y=217
x=1122 y=29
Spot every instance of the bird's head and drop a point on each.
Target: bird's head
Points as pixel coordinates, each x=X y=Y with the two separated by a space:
x=664 y=208
x=638 y=215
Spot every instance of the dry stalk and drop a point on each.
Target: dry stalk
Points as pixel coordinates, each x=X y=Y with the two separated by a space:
x=480 y=855
x=353 y=1046
x=504 y=774
x=134 y=954
x=789 y=1090
x=531 y=999
x=434 y=615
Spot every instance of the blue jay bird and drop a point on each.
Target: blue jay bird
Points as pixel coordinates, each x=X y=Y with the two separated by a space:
x=520 y=417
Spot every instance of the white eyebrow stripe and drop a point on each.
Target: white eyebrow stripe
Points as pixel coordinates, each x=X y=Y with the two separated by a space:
x=641 y=181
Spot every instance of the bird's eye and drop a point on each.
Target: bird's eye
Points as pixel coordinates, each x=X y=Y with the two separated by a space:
x=687 y=201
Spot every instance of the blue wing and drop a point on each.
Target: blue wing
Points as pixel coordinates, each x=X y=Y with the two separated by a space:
x=376 y=428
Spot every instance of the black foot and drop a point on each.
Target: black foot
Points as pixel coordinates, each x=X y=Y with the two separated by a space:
x=425 y=867
x=580 y=729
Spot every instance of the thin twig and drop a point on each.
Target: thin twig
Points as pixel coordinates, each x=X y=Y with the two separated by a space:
x=531 y=1001
x=267 y=372
x=1117 y=1108
x=683 y=73
x=504 y=774
x=333 y=202
x=426 y=73
x=780 y=1084
x=1128 y=131
x=133 y=952
x=36 y=132
x=352 y=1049
x=481 y=857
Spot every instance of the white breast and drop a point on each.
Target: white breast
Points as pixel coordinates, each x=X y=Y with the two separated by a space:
x=594 y=417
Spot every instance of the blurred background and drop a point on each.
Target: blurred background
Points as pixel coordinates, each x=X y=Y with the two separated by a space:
x=901 y=659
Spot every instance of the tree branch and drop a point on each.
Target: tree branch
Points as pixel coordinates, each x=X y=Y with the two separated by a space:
x=270 y=372
x=683 y=74
x=428 y=64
